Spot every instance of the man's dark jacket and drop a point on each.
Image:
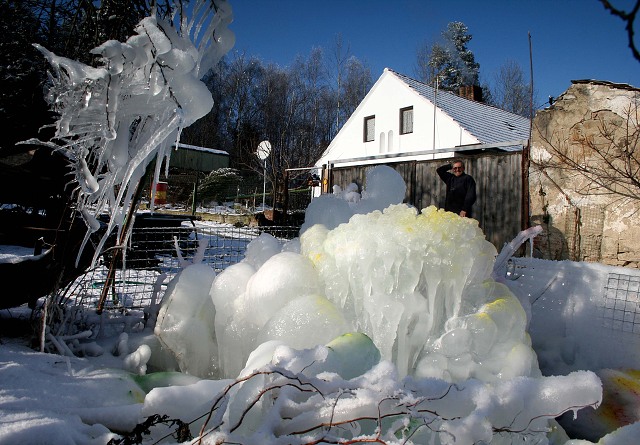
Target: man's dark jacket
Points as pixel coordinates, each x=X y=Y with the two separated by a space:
x=461 y=191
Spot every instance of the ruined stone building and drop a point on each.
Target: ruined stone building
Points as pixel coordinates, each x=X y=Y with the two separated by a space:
x=584 y=178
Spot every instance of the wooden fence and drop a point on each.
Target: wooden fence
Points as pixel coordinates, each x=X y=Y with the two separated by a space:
x=498 y=184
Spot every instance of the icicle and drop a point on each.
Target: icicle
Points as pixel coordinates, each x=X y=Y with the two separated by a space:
x=87 y=182
x=531 y=244
x=500 y=266
x=181 y=261
x=92 y=222
x=203 y=243
x=121 y=116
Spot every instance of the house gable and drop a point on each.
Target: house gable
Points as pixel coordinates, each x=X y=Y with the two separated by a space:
x=457 y=122
x=486 y=123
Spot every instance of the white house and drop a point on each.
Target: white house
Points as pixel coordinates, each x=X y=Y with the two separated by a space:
x=403 y=119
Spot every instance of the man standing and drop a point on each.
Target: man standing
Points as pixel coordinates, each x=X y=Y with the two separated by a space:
x=461 y=189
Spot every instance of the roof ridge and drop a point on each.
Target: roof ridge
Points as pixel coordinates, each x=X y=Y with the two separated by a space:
x=453 y=95
x=485 y=122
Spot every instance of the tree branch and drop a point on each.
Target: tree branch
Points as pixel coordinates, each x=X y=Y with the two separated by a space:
x=629 y=19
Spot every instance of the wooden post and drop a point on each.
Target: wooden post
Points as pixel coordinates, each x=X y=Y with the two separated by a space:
x=119 y=251
x=285 y=198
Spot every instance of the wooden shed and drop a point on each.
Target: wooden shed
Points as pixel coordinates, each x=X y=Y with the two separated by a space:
x=192 y=157
x=498 y=208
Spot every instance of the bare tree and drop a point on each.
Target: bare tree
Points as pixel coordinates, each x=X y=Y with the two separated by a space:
x=424 y=70
x=236 y=85
x=336 y=68
x=295 y=108
x=320 y=104
x=512 y=92
x=356 y=85
x=601 y=155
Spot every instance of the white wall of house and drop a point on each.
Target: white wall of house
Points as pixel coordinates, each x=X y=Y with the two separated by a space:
x=384 y=101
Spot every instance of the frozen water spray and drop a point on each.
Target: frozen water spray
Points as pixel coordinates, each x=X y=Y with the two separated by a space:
x=378 y=313
x=117 y=118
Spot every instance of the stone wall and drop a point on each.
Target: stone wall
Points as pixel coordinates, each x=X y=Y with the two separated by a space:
x=581 y=148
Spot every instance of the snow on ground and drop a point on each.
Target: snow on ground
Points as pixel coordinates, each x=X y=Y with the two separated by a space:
x=446 y=357
x=13 y=253
x=579 y=319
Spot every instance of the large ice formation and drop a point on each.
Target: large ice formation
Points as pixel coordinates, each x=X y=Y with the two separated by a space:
x=389 y=314
x=117 y=118
x=185 y=321
x=418 y=284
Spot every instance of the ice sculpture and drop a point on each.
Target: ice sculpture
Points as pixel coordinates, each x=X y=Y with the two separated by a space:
x=117 y=118
x=385 y=328
x=418 y=284
x=185 y=321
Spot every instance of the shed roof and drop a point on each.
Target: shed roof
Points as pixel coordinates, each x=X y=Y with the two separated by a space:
x=193 y=157
x=490 y=125
x=203 y=149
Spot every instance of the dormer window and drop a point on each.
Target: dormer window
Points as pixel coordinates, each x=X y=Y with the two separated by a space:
x=369 y=128
x=406 y=120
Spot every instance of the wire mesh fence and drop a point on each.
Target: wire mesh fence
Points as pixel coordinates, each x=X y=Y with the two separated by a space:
x=156 y=255
x=620 y=308
x=243 y=192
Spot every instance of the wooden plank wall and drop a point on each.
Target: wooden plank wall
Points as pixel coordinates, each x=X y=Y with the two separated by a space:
x=498 y=185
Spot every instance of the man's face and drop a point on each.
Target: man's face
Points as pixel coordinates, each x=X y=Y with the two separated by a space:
x=458 y=169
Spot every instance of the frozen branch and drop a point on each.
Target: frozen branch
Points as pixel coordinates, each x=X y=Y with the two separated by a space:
x=367 y=414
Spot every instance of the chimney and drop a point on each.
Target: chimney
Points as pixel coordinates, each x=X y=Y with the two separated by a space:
x=471 y=92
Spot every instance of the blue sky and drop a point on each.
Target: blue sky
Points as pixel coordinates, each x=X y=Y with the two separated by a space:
x=571 y=39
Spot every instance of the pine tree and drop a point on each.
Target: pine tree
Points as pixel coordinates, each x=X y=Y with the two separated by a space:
x=449 y=62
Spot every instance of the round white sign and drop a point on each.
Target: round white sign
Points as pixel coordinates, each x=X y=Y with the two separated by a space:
x=264 y=150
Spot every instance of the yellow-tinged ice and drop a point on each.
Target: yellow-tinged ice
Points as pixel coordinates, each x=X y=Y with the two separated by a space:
x=419 y=285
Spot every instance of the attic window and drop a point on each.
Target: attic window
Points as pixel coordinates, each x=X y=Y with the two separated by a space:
x=369 y=128
x=406 y=120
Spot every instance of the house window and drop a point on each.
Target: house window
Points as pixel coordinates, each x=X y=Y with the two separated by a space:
x=369 y=128
x=406 y=120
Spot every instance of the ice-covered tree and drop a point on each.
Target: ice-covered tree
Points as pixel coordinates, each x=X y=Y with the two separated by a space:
x=450 y=61
x=118 y=117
